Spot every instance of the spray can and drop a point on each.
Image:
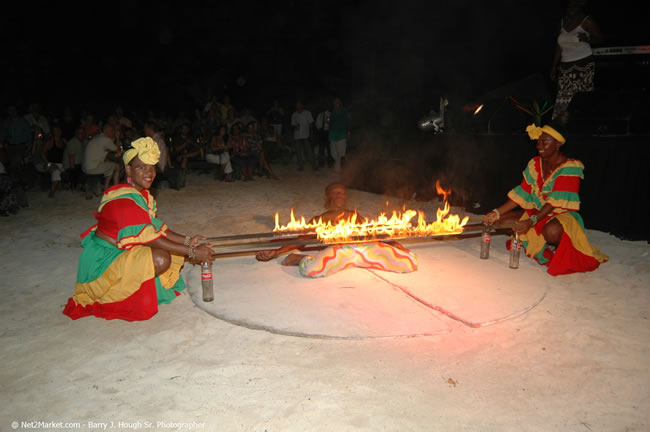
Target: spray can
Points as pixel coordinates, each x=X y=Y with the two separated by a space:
x=206 y=281
x=515 y=251
x=485 y=242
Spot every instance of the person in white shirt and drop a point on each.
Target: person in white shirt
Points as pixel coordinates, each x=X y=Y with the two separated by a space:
x=302 y=121
x=36 y=120
x=95 y=156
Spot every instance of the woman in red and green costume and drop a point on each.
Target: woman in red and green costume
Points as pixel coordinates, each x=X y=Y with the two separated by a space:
x=131 y=260
x=550 y=228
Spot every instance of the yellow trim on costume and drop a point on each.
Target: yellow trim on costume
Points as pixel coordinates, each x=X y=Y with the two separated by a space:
x=148 y=234
x=120 y=280
x=534 y=132
x=169 y=278
x=572 y=228
x=564 y=204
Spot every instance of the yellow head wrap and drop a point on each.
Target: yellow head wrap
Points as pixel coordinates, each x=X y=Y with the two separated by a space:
x=144 y=148
x=534 y=132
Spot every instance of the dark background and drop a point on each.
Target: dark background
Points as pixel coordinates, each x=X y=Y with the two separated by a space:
x=171 y=55
x=390 y=61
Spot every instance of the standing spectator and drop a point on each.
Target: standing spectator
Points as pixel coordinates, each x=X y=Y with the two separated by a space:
x=96 y=160
x=197 y=123
x=211 y=104
x=17 y=139
x=73 y=158
x=573 y=65
x=90 y=126
x=301 y=121
x=38 y=160
x=153 y=131
x=275 y=116
x=123 y=121
x=232 y=120
x=213 y=121
x=322 y=137
x=339 y=132
x=36 y=120
x=69 y=123
x=52 y=155
x=225 y=109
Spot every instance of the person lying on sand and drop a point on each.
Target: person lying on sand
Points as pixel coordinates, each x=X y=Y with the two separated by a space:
x=388 y=256
x=131 y=261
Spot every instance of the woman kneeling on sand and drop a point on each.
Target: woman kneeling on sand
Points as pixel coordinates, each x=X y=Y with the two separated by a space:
x=131 y=261
x=551 y=229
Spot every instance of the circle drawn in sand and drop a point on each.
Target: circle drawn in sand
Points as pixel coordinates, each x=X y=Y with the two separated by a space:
x=360 y=304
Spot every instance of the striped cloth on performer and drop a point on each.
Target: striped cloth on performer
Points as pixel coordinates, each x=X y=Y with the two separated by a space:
x=376 y=256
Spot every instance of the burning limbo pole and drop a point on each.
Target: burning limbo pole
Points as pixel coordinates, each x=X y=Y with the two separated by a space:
x=271 y=240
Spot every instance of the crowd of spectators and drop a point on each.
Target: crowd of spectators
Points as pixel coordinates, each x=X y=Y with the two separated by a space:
x=58 y=148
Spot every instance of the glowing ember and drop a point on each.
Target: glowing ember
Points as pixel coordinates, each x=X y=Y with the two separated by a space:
x=399 y=224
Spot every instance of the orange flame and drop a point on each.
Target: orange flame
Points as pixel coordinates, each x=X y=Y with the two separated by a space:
x=399 y=224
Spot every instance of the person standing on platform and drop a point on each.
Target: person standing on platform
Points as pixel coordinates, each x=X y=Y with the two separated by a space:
x=573 y=66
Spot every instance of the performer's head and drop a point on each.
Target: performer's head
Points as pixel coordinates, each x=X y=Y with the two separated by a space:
x=336 y=196
x=549 y=138
x=140 y=162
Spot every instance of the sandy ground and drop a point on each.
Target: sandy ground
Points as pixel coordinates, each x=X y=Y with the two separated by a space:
x=579 y=361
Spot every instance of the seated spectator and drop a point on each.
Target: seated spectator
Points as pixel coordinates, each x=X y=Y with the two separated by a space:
x=9 y=203
x=52 y=155
x=98 y=154
x=247 y=117
x=73 y=158
x=270 y=142
x=218 y=152
x=165 y=167
x=255 y=143
x=184 y=149
x=242 y=157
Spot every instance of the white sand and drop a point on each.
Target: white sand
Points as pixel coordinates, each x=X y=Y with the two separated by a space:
x=579 y=361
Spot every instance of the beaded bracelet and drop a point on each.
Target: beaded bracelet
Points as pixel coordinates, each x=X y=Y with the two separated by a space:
x=192 y=254
x=497 y=212
x=188 y=239
x=533 y=218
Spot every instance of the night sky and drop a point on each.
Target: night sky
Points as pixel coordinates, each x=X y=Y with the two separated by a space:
x=173 y=56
